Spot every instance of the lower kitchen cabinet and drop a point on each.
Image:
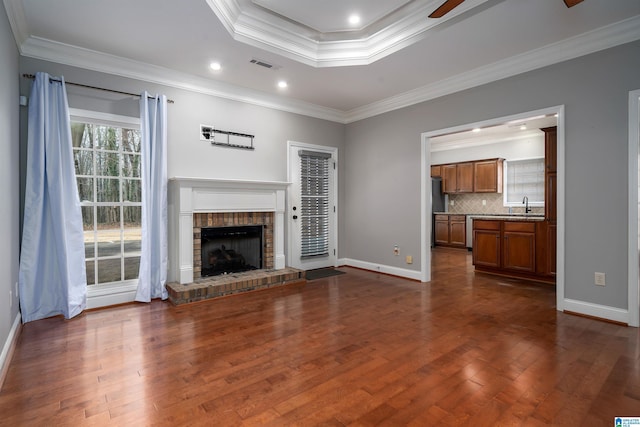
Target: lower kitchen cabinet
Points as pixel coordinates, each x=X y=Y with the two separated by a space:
x=513 y=248
x=519 y=252
x=486 y=243
x=450 y=230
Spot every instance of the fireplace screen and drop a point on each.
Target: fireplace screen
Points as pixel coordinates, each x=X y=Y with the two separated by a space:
x=231 y=249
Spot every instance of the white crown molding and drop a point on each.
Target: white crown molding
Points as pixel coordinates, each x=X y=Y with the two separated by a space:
x=17 y=20
x=593 y=41
x=48 y=50
x=249 y=24
x=606 y=37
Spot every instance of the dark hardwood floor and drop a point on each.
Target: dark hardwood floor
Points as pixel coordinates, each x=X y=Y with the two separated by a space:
x=355 y=349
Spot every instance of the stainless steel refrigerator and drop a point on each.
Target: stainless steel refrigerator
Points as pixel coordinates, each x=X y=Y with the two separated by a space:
x=437 y=204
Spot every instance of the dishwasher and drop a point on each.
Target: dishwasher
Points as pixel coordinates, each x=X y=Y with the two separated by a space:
x=469 y=230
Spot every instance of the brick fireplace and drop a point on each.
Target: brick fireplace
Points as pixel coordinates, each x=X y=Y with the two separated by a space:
x=238 y=220
x=198 y=202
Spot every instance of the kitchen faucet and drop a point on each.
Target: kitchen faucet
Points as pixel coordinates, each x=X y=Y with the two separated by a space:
x=527 y=209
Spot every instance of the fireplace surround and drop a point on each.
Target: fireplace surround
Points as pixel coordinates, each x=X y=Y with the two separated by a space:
x=196 y=202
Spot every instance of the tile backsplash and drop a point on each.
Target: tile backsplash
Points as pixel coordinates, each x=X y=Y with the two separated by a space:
x=471 y=203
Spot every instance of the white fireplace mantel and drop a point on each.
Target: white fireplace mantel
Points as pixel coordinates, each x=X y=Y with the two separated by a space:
x=199 y=195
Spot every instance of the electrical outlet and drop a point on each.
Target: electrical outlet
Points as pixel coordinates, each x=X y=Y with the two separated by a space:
x=452 y=202
x=396 y=250
x=600 y=279
x=409 y=259
x=484 y=203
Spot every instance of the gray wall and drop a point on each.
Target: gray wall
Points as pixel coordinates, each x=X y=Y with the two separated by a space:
x=9 y=181
x=383 y=165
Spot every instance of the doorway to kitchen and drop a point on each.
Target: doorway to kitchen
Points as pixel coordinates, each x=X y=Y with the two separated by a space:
x=426 y=217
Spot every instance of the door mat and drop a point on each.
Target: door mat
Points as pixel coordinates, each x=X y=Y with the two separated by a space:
x=320 y=273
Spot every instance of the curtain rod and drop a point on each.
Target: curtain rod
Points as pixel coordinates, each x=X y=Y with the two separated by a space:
x=32 y=76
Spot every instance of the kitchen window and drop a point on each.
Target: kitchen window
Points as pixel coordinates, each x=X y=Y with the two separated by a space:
x=524 y=177
x=106 y=150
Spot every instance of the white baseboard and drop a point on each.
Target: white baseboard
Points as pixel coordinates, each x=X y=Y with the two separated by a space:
x=597 y=310
x=7 y=348
x=387 y=269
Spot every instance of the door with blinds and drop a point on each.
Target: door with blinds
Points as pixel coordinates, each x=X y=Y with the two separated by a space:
x=311 y=206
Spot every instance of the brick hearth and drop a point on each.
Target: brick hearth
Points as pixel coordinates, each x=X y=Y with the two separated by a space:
x=228 y=284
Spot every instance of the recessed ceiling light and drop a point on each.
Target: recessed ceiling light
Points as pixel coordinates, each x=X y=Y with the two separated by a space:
x=476 y=130
x=215 y=66
x=354 y=19
x=282 y=84
x=523 y=127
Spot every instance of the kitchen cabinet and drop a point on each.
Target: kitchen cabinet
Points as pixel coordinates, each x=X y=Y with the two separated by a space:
x=486 y=243
x=550 y=200
x=482 y=176
x=550 y=173
x=519 y=250
x=487 y=176
x=457 y=178
x=450 y=230
x=513 y=248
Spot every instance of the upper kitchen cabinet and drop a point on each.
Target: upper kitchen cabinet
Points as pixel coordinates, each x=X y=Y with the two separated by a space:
x=457 y=178
x=488 y=176
x=550 y=173
x=436 y=170
x=482 y=176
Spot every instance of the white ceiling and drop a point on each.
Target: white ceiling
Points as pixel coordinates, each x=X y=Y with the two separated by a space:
x=172 y=42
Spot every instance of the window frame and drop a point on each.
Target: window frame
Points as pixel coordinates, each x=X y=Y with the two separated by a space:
x=505 y=193
x=110 y=293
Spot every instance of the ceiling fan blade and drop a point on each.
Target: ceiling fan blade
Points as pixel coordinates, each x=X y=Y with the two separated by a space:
x=447 y=7
x=571 y=3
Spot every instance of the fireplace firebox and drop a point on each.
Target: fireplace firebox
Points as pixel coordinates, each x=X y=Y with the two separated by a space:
x=227 y=250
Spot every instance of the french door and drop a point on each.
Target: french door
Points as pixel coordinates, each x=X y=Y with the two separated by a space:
x=311 y=206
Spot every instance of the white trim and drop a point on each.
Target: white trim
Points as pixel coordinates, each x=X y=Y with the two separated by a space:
x=290 y=225
x=7 y=348
x=425 y=192
x=258 y=27
x=597 y=310
x=633 y=188
x=606 y=37
x=48 y=50
x=17 y=20
x=106 y=295
x=78 y=114
x=381 y=268
x=615 y=34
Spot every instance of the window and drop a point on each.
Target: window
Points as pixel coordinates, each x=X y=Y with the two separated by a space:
x=107 y=161
x=524 y=178
x=314 y=211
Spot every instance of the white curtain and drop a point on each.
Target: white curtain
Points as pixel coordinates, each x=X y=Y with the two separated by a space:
x=153 y=256
x=52 y=274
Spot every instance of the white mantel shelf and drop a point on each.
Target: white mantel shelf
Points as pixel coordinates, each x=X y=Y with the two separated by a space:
x=230 y=182
x=189 y=195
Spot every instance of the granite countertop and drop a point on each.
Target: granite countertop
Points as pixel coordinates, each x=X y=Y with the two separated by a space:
x=507 y=217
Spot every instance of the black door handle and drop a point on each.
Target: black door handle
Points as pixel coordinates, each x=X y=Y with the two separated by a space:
x=295 y=217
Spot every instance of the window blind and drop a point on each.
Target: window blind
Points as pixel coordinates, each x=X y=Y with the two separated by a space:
x=525 y=178
x=314 y=210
